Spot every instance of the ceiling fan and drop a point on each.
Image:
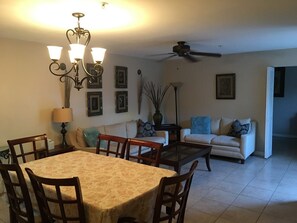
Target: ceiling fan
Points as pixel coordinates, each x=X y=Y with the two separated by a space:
x=183 y=50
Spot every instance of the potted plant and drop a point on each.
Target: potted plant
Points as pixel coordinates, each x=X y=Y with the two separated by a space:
x=156 y=94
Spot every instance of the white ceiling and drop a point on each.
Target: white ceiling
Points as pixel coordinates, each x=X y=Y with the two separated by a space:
x=143 y=28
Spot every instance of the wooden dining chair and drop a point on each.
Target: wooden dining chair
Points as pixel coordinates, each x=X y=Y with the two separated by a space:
x=28 y=148
x=70 y=209
x=142 y=151
x=111 y=145
x=172 y=196
x=20 y=206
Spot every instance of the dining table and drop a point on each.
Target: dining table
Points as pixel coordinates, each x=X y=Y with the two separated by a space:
x=111 y=187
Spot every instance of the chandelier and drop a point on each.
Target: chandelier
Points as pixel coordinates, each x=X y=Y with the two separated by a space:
x=78 y=39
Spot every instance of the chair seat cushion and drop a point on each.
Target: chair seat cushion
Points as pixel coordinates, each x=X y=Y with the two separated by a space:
x=200 y=138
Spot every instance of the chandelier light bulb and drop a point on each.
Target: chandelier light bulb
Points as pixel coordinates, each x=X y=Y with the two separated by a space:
x=77 y=51
x=54 y=52
x=98 y=54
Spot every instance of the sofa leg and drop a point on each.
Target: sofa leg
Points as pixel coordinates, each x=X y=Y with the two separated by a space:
x=242 y=161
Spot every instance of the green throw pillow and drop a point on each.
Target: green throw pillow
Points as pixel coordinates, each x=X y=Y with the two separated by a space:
x=91 y=136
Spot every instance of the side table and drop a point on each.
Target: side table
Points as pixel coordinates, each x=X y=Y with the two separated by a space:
x=59 y=149
x=173 y=131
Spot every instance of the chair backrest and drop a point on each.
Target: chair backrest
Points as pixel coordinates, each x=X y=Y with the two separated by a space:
x=173 y=195
x=28 y=148
x=70 y=209
x=142 y=151
x=20 y=206
x=111 y=145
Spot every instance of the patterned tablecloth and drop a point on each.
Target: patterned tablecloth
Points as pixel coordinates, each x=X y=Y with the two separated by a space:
x=111 y=187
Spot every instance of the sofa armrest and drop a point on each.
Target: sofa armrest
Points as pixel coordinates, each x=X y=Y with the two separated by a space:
x=248 y=141
x=183 y=133
x=164 y=134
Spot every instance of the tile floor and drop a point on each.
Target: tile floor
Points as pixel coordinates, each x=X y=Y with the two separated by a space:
x=260 y=191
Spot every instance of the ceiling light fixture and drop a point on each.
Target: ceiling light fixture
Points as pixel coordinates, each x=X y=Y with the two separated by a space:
x=78 y=39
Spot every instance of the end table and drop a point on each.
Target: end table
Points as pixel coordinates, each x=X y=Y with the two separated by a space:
x=173 y=131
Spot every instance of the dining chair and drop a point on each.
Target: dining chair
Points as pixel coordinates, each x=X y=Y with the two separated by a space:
x=20 y=206
x=111 y=145
x=49 y=200
x=28 y=148
x=142 y=151
x=172 y=196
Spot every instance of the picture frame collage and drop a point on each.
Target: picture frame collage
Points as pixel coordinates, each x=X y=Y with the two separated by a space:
x=121 y=81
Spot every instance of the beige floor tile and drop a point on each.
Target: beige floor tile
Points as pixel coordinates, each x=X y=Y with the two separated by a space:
x=282 y=210
x=211 y=207
x=250 y=203
x=264 y=218
x=221 y=196
x=195 y=216
x=236 y=215
x=258 y=193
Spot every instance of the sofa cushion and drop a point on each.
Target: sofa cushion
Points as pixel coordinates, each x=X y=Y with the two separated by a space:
x=199 y=138
x=91 y=136
x=131 y=128
x=238 y=129
x=145 y=129
x=225 y=140
x=80 y=137
x=118 y=129
x=225 y=125
x=153 y=139
x=200 y=125
x=215 y=126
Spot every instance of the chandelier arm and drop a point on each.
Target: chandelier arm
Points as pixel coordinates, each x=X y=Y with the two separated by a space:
x=60 y=67
x=69 y=32
x=97 y=68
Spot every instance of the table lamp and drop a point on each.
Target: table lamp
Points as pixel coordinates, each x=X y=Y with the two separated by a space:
x=63 y=115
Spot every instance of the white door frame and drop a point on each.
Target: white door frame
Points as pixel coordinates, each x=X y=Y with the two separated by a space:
x=269 y=112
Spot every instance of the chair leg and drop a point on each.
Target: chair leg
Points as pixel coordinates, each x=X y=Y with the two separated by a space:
x=12 y=216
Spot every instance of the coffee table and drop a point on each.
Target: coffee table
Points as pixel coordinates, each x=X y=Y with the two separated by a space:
x=180 y=153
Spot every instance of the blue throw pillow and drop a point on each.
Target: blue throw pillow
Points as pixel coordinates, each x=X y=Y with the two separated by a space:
x=200 y=125
x=145 y=129
x=91 y=136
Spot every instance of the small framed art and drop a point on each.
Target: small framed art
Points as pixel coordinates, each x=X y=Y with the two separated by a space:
x=121 y=101
x=225 y=86
x=94 y=103
x=121 y=77
x=93 y=82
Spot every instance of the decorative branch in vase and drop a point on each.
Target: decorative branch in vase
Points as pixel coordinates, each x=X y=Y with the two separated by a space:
x=156 y=94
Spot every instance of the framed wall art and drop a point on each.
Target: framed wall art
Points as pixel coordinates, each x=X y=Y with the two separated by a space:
x=94 y=103
x=121 y=101
x=93 y=82
x=279 y=81
x=121 y=77
x=225 y=86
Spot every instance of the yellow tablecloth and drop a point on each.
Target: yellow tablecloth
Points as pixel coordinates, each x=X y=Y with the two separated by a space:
x=111 y=187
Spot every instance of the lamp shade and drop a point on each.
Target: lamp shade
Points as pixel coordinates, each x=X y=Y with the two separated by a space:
x=54 y=52
x=61 y=115
x=98 y=54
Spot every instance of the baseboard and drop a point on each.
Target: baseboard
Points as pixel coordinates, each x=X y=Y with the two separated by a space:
x=259 y=153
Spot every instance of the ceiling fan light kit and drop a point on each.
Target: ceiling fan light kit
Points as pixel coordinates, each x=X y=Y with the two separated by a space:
x=76 y=54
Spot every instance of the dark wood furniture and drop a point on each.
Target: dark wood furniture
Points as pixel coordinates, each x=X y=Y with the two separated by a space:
x=32 y=147
x=173 y=131
x=60 y=149
x=109 y=144
x=20 y=206
x=171 y=197
x=151 y=156
x=181 y=153
x=48 y=201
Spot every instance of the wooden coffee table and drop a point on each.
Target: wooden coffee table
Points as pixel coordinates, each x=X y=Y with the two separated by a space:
x=180 y=153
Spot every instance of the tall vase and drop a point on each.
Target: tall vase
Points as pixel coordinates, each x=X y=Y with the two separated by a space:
x=157 y=117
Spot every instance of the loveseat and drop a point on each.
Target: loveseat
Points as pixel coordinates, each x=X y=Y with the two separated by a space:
x=228 y=137
x=86 y=138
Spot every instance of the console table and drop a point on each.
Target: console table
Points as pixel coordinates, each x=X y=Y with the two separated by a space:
x=173 y=131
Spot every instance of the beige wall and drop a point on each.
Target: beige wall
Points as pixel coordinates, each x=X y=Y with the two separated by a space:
x=198 y=94
x=28 y=92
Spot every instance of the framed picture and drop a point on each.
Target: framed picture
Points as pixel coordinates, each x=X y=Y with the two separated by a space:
x=94 y=103
x=121 y=101
x=279 y=81
x=121 y=77
x=225 y=86
x=93 y=82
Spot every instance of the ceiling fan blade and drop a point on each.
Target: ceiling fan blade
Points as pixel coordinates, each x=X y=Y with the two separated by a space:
x=190 y=58
x=160 y=54
x=206 y=54
x=166 y=58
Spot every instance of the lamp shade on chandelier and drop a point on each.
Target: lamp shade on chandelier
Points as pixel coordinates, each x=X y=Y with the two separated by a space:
x=78 y=39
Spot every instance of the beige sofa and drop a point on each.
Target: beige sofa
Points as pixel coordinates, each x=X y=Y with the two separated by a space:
x=223 y=144
x=124 y=129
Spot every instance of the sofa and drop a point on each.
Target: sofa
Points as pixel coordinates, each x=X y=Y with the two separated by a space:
x=130 y=129
x=228 y=137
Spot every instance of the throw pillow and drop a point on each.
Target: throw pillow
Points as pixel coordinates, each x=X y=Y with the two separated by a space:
x=200 y=125
x=145 y=129
x=91 y=135
x=238 y=129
